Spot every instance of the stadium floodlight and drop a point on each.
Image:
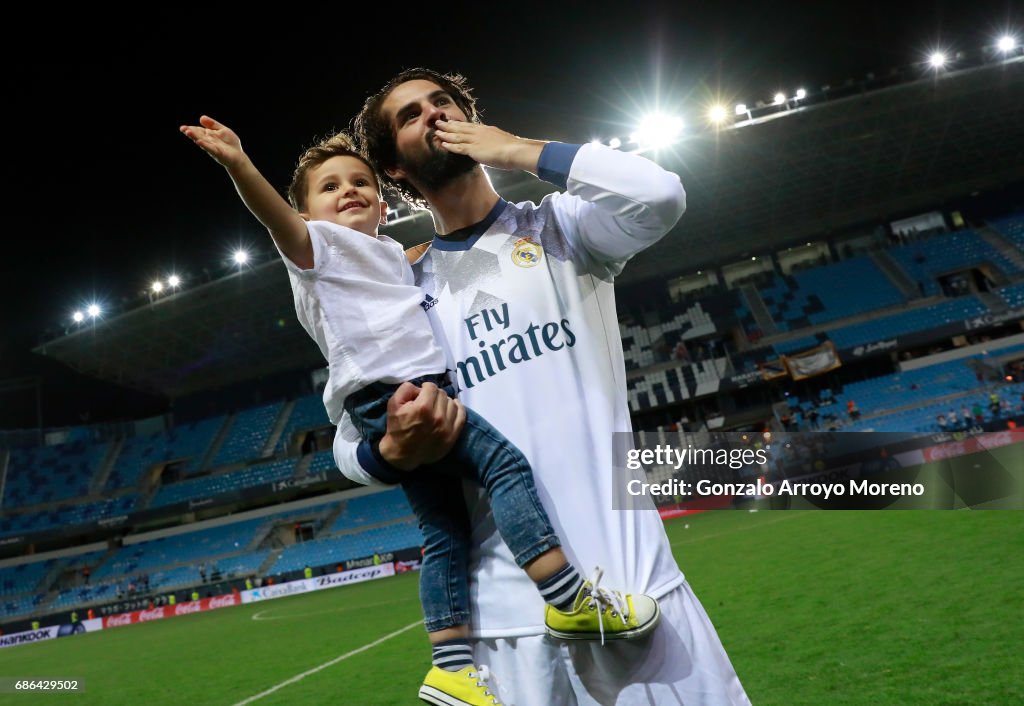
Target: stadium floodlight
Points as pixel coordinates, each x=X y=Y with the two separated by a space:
x=174 y=281
x=157 y=287
x=241 y=257
x=717 y=114
x=937 y=59
x=741 y=108
x=800 y=94
x=93 y=310
x=78 y=317
x=1006 y=44
x=658 y=130
x=615 y=143
x=779 y=98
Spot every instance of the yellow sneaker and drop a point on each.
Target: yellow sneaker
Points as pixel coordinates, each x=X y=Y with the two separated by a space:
x=601 y=614
x=466 y=687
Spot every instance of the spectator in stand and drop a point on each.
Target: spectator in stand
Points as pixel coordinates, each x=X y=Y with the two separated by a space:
x=965 y=415
x=851 y=410
x=86 y=573
x=954 y=423
x=979 y=416
x=942 y=422
x=307 y=572
x=812 y=417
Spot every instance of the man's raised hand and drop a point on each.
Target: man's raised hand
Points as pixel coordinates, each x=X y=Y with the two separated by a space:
x=489 y=145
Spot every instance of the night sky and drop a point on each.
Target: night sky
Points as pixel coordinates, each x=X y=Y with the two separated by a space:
x=108 y=194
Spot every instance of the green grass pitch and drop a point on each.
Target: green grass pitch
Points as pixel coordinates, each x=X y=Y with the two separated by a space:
x=896 y=607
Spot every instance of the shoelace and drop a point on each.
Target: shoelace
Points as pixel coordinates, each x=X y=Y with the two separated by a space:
x=483 y=675
x=603 y=599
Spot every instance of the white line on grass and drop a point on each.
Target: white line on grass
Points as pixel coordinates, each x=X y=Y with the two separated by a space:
x=788 y=516
x=262 y=614
x=325 y=665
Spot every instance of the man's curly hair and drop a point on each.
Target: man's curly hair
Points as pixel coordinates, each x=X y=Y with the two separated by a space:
x=340 y=144
x=376 y=134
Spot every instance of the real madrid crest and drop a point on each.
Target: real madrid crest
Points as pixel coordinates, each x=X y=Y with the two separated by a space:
x=526 y=253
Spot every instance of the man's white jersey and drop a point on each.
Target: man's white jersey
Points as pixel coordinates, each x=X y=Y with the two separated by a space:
x=526 y=313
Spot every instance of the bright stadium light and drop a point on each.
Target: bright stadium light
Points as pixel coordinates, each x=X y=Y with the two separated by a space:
x=615 y=143
x=1006 y=44
x=741 y=108
x=800 y=94
x=717 y=114
x=78 y=317
x=658 y=130
x=93 y=310
x=174 y=281
x=779 y=98
x=937 y=59
x=157 y=287
x=241 y=257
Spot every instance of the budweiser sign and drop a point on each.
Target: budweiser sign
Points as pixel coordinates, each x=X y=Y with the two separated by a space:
x=186 y=608
x=155 y=614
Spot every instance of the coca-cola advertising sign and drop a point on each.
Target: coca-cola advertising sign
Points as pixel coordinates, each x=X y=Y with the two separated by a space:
x=147 y=615
x=142 y=616
x=223 y=601
x=113 y=621
x=186 y=608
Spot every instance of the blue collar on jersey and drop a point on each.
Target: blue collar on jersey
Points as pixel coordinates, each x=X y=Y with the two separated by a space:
x=475 y=231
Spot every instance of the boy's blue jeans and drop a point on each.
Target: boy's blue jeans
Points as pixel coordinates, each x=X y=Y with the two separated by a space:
x=435 y=493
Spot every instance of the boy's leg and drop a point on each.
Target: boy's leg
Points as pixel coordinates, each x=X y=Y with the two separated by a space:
x=440 y=507
x=576 y=610
x=444 y=590
x=483 y=454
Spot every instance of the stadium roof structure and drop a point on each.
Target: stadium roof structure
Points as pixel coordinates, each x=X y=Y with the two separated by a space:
x=752 y=188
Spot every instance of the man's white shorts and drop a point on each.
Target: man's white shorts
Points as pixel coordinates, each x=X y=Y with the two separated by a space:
x=682 y=662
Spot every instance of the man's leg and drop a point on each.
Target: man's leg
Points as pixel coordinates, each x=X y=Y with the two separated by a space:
x=681 y=663
x=528 y=671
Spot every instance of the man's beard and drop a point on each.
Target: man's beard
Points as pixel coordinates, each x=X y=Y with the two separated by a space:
x=437 y=167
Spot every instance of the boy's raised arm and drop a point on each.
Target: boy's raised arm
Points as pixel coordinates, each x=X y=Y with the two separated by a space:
x=286 y=226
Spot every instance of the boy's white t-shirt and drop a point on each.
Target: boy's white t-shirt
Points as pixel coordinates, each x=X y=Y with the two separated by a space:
x=360 y=304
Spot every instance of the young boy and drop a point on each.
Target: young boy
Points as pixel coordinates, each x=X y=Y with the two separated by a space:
x=355 y=296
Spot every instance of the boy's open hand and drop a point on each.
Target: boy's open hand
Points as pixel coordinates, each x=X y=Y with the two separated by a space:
x=217 y=140
x=489 y=145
